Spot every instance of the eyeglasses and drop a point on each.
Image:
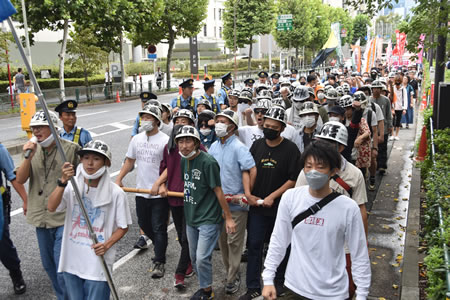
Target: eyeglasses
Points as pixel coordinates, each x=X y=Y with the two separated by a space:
x=260 y=111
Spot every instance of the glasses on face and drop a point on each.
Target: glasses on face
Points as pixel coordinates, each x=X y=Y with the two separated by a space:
x=204 y=125
x=37 y=128
x=260 y=111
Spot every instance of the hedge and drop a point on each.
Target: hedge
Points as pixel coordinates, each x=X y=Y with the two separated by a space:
x=53 y=83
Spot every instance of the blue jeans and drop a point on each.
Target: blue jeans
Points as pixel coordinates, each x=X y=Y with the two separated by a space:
x=49 y=240
x=202 y=241
x=152 y=219
x=83 y=289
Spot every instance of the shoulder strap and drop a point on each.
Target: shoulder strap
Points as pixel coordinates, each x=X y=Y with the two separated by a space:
x=192 y=101
x=342 y=183
x=314 y=208
x=76 y=137
x=179 y=101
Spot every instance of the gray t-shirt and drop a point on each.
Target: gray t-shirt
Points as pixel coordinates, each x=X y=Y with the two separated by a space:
x=20 y=82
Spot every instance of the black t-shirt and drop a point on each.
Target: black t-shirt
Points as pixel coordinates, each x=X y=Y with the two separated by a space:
x=275 y=166
x=414 y=85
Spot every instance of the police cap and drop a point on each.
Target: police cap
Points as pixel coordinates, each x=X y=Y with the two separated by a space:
x=187 y=83
x=146 y=96
x=67 y=106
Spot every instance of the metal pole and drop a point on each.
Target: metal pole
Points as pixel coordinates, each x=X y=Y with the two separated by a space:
x=235 y=47
x=27 y=40
x=11 y=91
x=270 y=53
x=63 y=157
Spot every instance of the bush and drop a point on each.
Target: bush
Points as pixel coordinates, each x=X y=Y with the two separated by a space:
x=53 y=83
x=69 y=72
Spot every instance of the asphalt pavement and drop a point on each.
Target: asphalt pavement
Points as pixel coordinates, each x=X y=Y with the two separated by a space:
x=112 y=123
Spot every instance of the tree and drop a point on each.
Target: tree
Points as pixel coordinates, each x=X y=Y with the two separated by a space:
x=252 y=18
x=322 y=29
x=179 y=19
x=360 y=23
x=302 y=24
x=5 y=39
x=337 y=14
x=84 y=54
x=386 y=25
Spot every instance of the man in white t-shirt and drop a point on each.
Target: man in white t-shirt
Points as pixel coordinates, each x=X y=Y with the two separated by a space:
x=107 y=207
x=146 y=149
x=316 y=266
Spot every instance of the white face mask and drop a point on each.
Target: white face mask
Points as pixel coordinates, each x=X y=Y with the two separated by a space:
x=335 y=119
x=147 y=125
x=309 y=121
x=297 y=105
x=189 y=155
x=96 y=175
x=205 y=131
x=47 y=142
x=321 y=96
x=221 y=129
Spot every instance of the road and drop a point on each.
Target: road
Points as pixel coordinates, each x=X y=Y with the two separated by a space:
x=112 y=123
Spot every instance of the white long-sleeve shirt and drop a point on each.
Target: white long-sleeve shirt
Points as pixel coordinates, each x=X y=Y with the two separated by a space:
x=402 y=98
x=316 y=266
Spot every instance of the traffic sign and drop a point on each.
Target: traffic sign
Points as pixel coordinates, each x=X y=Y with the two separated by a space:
x=151 y=49
x=152 y=56
x=284 y=22
x=343 y=32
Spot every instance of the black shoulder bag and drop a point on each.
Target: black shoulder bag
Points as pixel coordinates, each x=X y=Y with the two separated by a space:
x=6 y=197
x=314 y=208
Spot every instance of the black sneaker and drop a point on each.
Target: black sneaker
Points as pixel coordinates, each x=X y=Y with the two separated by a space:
x=382 y=171
x=201 y=294
x=251 y=294
x=234 y=286
x=141 y=243
x=244 y=256
x=372 y=183
x=158 y=270
x=18 y=283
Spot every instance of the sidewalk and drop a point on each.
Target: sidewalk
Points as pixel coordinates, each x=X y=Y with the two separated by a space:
x=393 y=216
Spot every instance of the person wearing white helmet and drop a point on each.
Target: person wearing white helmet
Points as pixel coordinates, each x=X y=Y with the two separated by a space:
x=106 y=204
x=300 y=96
x=205 y=126
x=317 y=223
x=348 y=181
x=43 y=168
x=145 y=98
x=146 y=150
x=205 y=206
x=166 y=118
x=309 y=116
x=277 y=163
x=237 y=171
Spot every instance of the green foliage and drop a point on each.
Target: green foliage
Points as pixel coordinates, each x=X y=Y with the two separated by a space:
x=435 y=274
x=5 y=39
x=360 y=23
x=53 y=83
x=337 y=14
x=69 y=72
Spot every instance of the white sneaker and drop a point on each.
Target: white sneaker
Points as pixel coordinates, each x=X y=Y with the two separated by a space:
x=391 y=138
x=396 y=138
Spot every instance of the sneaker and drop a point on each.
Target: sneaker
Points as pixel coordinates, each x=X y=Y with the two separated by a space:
x=391 y=138
x=382 y=171
x=396 y=138
x=372 y=183
x=179 y=281
x=189 y=271
x=158 y=270
x=18 y=283
x=407 y=126
x=244 y=256
x=234 y=286
x=201 y=294
x=141 y=243
x=250 y=294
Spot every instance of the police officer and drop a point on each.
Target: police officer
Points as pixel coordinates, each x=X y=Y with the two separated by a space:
x=262 y=76
x=249 y=82
x=227 y=82
x=294 y=73
x=275 y=84
x=67 y=114
x=145 y=97
x=208 y=95
x=185 y=100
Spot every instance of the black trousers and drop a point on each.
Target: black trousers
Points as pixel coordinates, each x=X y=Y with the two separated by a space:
x=180 y=226
x=382 y=153
x=8 y=253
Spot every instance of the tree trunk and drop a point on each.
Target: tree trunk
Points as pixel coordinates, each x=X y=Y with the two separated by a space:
x=169 y=54
x=250 y=56
x=62 y=54
x=297 y=62
x=86 y=84
x=122 y=67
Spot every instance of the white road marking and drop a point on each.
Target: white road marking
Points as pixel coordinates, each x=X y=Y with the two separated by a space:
x=112 y=124
x=112 y=131
x=94 y=113
x=134 y=252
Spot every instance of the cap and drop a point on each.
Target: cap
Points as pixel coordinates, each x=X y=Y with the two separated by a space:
x=249 y=81
x=187 y=83
x=275 y=75
x=263 y=74
x=207 y=84
x=336 y=110
x=67 y=106
x=226 y=76
x=145 y=96
x=294 y=71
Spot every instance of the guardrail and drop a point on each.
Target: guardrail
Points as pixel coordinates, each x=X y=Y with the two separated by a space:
x=441 y=218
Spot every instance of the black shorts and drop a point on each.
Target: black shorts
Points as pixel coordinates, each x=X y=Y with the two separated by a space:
x=398 y=118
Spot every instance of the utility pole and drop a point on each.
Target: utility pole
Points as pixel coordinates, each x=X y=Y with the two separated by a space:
x=27 y=39
x=235 y=47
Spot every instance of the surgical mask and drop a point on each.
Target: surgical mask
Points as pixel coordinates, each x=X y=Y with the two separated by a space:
x=298 y=105
x=189 y=155
x=47 y=142
x=309 y=121
x=303 y=83
x=335 y=119
x=147 y=125
x=221 y=129
x=321 y=96
x=96 y=175
x=243 y=106
x=205 y=131
x=316 y=180
x=270 y=133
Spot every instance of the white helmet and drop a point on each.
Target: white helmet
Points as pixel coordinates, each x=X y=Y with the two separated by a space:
x=287 y=73
x=231 y=115
x=279 y=102
x=285 y=82
x=300 y=93
x=309 y=108
x=334 y=131
x=97 y=147
x=345 y=101
x=187 y=130
x=39 y=119
x=153 y=110
x=276 y=113
x=186 y=113
x=264 y=103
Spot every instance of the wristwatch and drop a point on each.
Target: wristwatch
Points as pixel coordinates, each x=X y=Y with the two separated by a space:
x=61 y=184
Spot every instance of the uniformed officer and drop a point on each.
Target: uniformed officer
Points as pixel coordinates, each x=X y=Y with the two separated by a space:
x=145 y=97
x=262 y=76
x=222 y=98
x=185 y=100
x=67 y=114
x=275 y=84
x=249 y=82
x=294 y=73
x=208 y=95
